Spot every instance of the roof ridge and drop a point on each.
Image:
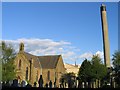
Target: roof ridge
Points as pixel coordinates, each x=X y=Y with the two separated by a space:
x=48 y=56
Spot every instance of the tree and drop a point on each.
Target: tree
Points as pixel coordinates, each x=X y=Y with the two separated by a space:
x=116 y=60
x=7 y=58
x=99 y=70
x=85 y=70
x=116 y=65
x=85 y=74
x=93 y=70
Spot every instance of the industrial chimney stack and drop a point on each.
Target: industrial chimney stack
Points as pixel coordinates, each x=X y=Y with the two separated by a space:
x=105 y=36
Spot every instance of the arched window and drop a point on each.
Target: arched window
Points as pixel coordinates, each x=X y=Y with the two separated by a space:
x=26 y=73
x=19 y=64
x=48 y=75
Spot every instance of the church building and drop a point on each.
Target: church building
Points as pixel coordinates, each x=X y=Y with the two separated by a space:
x=29 y=67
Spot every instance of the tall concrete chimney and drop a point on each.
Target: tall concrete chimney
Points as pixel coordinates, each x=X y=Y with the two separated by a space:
x=105 y=36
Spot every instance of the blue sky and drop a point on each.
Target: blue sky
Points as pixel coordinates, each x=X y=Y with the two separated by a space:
x=72 y=29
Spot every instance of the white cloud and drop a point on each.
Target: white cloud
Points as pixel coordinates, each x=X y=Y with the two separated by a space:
x=86 y=55
x=70 y=55
x=100 y=54
x=40 y=47
x=46 y=47
x=90 y=55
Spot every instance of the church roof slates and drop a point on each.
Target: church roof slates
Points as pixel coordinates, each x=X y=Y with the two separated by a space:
x=47 y=62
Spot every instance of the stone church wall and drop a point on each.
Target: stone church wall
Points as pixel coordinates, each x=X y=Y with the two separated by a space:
x=21 y=71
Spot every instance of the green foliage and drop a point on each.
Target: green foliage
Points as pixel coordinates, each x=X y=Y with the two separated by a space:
x=96 y=60
x=116 y=60
x=84 y=73
x=99 y=70
x=8 y=52
x=8 y=72
x=92 y=70
x=7 y=58
x=116 y=65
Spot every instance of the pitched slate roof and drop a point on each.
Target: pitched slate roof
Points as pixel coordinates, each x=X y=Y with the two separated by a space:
x=47 y=62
